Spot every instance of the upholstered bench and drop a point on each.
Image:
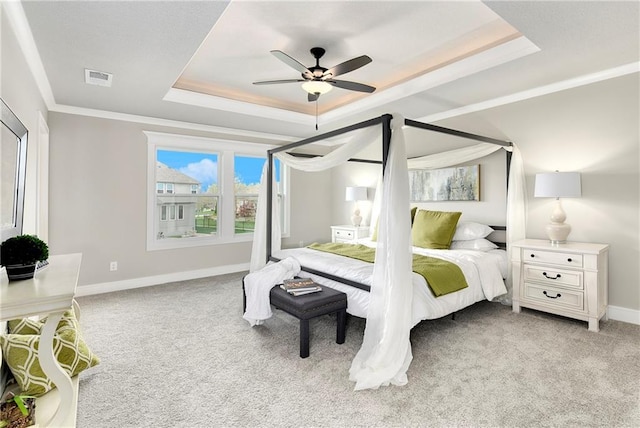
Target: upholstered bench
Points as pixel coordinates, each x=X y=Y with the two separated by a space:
x=312 y=305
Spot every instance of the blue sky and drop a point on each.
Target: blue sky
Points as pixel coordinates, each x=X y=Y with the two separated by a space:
x=204 y=166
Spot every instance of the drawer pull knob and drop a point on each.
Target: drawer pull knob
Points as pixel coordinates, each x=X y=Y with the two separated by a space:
x=569 y=260
x=551 y=277
x=533 y=255
x=552 y=297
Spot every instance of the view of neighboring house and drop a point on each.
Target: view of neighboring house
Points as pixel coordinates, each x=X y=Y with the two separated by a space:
x=176 y=203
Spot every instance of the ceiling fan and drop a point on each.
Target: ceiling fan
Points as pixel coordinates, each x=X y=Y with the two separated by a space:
x=319 y=80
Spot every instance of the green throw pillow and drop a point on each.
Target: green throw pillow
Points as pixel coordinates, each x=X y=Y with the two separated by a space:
x=21 y=355
x=30 y=326
x=434 y=229
x=374 y=237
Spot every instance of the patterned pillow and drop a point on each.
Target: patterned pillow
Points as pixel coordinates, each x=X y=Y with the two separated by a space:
x=31 y=326
x=21 y=355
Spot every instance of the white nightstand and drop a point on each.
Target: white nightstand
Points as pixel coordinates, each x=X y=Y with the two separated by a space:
x=348 y=233
x=565 y=279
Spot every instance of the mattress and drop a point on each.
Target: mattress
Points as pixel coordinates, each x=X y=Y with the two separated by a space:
x=483 y=270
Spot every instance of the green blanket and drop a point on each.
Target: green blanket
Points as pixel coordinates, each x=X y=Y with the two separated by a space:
x=442 y=277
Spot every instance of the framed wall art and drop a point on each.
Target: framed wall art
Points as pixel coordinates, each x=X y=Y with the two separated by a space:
x=461 y=183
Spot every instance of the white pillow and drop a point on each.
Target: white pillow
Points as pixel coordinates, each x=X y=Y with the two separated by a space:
x=473 y=244
x=467 y=230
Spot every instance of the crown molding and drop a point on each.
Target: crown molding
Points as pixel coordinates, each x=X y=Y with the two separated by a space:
x=563 y=85
x=147 y=120
x=18 y=21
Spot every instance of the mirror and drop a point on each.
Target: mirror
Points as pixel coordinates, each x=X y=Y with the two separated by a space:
x=13 y=164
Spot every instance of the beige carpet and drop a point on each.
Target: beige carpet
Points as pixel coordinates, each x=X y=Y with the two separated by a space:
x=180 y=355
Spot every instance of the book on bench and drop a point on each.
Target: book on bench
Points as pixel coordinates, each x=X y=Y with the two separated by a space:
x=300 y=286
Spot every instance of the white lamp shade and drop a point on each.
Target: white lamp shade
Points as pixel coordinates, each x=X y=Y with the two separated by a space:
x=316 y=87
x=558 y=185
x=356 y=194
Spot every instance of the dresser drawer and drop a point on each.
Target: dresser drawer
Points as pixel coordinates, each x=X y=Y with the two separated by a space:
x=552 y=296
x=552 y=276
x=553 y=257
x=343 y=234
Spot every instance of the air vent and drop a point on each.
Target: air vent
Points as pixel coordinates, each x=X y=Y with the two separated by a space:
x=100 y=78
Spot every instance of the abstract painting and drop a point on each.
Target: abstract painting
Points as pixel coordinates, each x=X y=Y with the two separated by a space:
x=461 y=183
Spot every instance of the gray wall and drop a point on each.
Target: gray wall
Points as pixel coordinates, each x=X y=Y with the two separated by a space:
x=19 y=90
x=594 y=130
x=490 y=210
x=98 y=203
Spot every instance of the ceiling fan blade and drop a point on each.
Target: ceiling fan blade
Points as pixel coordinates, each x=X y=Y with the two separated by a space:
x=291 y=62
x=271 y=82
x=352 y=86
x=347 y=66
x=313 y=97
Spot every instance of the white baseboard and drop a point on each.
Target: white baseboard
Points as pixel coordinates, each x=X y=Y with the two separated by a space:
x=618 y=313
x=128 y=284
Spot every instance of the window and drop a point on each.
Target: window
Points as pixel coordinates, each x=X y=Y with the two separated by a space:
x=204 y=191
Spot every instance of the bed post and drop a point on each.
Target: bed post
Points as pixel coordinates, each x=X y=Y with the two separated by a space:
x=386 y=139
x=269 y=202
x=509 y=154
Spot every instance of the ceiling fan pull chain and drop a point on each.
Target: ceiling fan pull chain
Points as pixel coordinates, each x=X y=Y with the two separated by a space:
x=317 y=113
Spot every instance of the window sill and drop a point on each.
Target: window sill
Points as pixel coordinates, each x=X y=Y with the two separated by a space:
x=196 y=241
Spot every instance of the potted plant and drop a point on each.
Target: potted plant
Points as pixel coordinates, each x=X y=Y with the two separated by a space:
x=20 y=256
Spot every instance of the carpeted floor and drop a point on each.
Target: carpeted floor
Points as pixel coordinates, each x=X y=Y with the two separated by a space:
x=180 y=355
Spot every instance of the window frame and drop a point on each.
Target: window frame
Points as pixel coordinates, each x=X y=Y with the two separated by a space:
x=226 y=151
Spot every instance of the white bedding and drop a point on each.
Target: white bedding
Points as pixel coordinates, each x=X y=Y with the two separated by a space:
x=484 y=272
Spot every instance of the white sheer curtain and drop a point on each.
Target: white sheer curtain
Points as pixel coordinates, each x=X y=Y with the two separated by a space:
x=386 y=351
x=259 y=246
x=354 y=145
x=516 y=212
x=385 y=354
x=453 y=157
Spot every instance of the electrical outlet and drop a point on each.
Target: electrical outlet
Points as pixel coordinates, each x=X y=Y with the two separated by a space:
x=113 y=266
x=301 y=244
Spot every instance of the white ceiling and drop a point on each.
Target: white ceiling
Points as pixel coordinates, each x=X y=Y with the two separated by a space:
x=195 y=61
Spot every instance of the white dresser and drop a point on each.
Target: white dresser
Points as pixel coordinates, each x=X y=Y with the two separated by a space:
x=565 y=279
x=346 y=233
x=50 y=292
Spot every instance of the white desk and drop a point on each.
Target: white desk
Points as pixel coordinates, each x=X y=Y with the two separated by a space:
x=50 y=292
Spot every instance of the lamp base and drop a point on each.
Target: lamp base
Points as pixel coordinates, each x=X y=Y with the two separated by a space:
x=558 y=232
x=356 y=218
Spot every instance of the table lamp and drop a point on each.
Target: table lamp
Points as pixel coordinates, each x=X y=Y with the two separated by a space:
x=355 y=194
x=558 y=185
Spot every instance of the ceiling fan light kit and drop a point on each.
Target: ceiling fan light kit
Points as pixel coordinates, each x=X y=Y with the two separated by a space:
x=318 y=80
x=316 y=87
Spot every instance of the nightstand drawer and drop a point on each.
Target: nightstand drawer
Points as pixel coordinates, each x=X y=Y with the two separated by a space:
x=553 y=257
x=551 y=276
x=551 y=296
x=343 y=234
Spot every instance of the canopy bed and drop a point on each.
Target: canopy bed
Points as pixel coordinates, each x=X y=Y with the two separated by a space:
x=388 y=286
